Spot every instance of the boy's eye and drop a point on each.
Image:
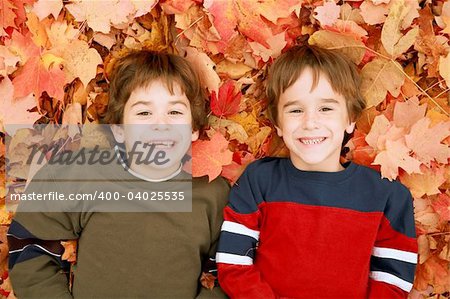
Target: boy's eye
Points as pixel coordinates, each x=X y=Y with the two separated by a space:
x=175 y=112
x=325 y=109
x=295 y=111
x=144 y=113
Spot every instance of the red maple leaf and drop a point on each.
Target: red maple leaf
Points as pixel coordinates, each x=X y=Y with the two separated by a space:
x=7 y=15
x=209 y=156
x=442 y=206
x=227 y=103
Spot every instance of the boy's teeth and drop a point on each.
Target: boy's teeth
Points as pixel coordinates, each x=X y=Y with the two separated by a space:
x=160 y=144
x=312 y=141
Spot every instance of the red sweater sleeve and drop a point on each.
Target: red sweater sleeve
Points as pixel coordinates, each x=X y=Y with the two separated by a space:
x=238 y=275
x=394 y=256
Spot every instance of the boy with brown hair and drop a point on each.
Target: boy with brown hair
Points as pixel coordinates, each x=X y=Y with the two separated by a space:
x=308 y=226
x=154 y=100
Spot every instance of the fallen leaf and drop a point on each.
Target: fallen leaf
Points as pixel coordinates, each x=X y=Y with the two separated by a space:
x=276 y=44
x=235 y=130
x=35 y=77
x=22 y=46
x=378 y=77
x=176 y=6
x=100 y=15
x=231 y=70
x=425 y=141
x=60 y=35
x=406 y=114
x=70 y=251
x=228 y=100
x=205 y=66
x=345 y=43
x=7 y=16
x=426 y=183
x=327 y=14
x=396 y=155
x=444 y=68
x=143 y=6
x=233 y=171
x=38 y=30
x=373 y=14
x=392 y=38
x=8 y=61
x=442 y=206
x=44 y=8
x=81 y=61
x=209 y=156
x=15 y=112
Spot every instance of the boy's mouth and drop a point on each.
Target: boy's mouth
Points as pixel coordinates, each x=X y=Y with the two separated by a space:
x=312 y=140
x=160 y=144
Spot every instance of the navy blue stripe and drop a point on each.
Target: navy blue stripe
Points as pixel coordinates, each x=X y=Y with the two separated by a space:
x=401 y=269
x=19 y=231
x=356 y=188
x=237 y=244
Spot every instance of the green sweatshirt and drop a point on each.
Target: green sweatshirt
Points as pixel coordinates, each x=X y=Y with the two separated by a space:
x=120 y=255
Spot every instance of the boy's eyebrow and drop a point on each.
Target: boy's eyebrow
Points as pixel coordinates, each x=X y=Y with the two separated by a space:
x=332 y=101
x=149 y=103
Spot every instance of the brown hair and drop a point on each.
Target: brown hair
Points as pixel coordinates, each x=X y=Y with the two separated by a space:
x=139 y=68
x=339 y=70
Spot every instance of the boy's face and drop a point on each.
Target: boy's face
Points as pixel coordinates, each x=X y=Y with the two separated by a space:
x=312 y=123
x=154 y=120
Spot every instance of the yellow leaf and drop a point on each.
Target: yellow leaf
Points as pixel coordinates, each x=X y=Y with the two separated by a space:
x=81 y=61
x=444 y=68
x=378 y=77
x=347 y=44
x=392 y=39
x=38 y=30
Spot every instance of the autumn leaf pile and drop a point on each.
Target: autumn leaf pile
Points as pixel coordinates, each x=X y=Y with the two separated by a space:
x=55 y=57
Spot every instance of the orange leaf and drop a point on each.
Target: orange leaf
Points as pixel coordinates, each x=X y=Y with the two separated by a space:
x=233 y=171
x=209 y=156
x=36 y=78
x=442 y=206
x=70 y=250
x=227 y=103
x=427 y=182
x=408 y=113
x=425 y=142
x=7 y=16
x=207 y=280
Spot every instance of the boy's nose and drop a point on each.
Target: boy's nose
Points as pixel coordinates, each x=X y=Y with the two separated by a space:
x=310 y=121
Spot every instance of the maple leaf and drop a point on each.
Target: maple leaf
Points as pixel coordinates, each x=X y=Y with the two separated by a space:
x=444 y=68
x=327 y=14
x=373 y=14
x=396 y=155
x=101 y=14
x=15 y=112
x=276 y=43
x=70 y=251
x=40 y=74
x=408 y=113
x=143 y=6
x=378 y=77
x=60 y=35
x=42 y=8
x=207 y=280
x=209 y=156
x=7 y=16
x=8 y=61
x=381 y=131
x=425 y=142
x=176 y=6
x=347 y=44
x=80 y=61
x=428 y=182
x=22 y=7
x=392 y=39
x=442 y=206
x=227 y=103
x=22 y=46
x=233 y=171
x=38 y=30
x=205 y=66
x=235 y=130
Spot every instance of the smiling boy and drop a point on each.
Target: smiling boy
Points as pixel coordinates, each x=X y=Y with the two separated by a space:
x=308 y=226
x=155 y=110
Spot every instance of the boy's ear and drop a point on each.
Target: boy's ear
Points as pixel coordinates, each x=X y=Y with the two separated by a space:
x=350 y=128
x=195 y=135
x=118 y=132
x=279 y=131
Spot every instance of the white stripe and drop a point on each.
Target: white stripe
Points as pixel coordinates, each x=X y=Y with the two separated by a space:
x=237 y=228
x=228 y=258
x=395 y=254
x=9 y=234
x=391 y=279
x=49 y=252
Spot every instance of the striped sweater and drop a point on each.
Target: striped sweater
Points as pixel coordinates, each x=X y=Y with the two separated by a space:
x=297 y=234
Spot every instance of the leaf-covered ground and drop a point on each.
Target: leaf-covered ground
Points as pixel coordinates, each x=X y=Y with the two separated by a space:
x=55 y=57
